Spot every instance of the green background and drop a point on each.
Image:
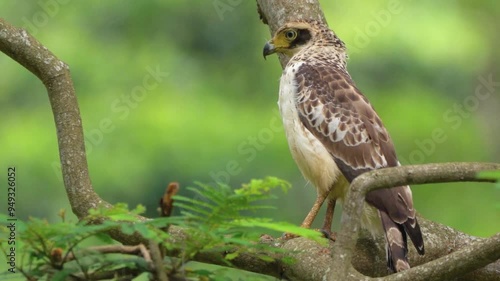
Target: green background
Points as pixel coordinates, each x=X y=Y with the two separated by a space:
x=214 y=115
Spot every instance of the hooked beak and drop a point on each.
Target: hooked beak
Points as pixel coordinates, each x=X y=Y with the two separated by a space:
x=269 y=49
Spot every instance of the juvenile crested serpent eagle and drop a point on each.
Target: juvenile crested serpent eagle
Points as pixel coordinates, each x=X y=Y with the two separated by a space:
x=334 y=135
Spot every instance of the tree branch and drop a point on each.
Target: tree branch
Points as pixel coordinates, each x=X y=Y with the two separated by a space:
x=55 y=75
x=389 y=177
x=113 y=249
x=160 y=273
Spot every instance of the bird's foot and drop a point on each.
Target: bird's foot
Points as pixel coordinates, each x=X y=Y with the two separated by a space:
x=328 y=234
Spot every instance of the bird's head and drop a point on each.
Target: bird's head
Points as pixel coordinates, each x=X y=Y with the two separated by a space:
x=295 y=36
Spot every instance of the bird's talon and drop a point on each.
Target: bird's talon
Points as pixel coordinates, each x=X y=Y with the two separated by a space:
x=328 y=234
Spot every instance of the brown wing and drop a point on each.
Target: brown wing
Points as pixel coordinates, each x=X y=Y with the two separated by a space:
x=337 y=113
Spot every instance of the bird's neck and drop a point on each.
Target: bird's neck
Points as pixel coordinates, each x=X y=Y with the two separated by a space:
x=323 y=55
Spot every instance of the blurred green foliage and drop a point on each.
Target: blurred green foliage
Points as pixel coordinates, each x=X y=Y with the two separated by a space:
x=211 y=112
x=219 y=220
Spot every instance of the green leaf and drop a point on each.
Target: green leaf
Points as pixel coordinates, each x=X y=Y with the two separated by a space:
x=203 y=272
x=194 y=207
x=127 y=229
x=215 y=194
x=288 y=260
x=143 y=230
x=62 y=275
x=123 y=217
x=285 y=227
x=104 y=238
x=139 y=209
x=263 y=186
x=232 y=256
x=266 y=258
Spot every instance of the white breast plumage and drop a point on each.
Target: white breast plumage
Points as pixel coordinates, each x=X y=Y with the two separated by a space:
x=314 y=161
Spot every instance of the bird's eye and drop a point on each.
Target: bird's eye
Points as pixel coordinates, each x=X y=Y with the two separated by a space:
x=291 y=34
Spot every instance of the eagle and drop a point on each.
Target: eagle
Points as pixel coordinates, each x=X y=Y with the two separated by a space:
x=334 y=135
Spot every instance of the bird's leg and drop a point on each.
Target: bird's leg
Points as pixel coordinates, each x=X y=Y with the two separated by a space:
x=311 y=215
x=314 y=210
x=327 y=223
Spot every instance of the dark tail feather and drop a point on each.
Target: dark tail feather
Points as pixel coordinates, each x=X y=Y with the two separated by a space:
x=396 y=244
x=412 y=227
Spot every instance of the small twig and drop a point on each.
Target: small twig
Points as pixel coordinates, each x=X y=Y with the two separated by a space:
x=114 y=249
x=74 y=244
x=44 y=248
x=110 y=274
x=84 y=269
x=157 y=261
x=28 y=277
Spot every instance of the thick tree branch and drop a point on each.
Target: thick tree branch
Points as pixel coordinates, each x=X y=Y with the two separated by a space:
x=431 y=173
x=55 y=75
